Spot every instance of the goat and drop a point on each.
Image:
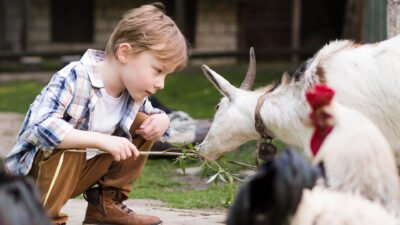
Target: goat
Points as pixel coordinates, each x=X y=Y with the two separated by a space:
x=287 y=190
x=365 y=77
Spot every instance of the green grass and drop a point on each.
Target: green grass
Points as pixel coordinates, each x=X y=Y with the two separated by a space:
x=194 y=93
x=1 y=164
x=17 y=96
x=189 y=91
x=161 y=181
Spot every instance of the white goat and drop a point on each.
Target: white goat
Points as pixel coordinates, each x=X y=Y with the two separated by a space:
x=365 y=77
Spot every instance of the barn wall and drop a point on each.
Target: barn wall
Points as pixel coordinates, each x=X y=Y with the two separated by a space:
x=106 y=15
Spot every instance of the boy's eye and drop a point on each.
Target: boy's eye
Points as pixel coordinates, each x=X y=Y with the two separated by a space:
x=158 y=70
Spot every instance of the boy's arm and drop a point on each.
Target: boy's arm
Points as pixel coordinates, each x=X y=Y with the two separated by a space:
x=50 y=130
x=121 y=148
x=154 y=127
x=48 y=126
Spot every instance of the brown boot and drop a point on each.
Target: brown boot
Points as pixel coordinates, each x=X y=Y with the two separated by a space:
x=105 y=208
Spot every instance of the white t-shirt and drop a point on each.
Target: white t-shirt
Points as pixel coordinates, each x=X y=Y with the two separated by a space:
x=106 y=115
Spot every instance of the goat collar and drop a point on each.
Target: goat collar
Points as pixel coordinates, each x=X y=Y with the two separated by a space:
x=265 y=133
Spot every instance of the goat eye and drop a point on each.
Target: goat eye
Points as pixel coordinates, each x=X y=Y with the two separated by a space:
x=217 y=107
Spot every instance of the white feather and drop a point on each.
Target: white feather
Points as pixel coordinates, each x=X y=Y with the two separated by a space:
x=358 y=159
x=320 y=206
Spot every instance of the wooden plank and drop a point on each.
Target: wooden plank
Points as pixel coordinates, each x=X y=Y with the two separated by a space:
x=296 y=26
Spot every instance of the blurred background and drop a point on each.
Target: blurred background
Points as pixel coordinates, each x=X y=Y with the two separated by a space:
x=39 y=37
x=44 y=34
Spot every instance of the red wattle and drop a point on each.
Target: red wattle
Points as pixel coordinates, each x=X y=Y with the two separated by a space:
x=318 y=138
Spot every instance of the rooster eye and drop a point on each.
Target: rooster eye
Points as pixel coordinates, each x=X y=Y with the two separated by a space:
x=217 y=107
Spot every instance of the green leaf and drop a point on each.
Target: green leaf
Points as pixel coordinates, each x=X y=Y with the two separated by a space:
x=222 y=178
x=212 y=178
x=182 y=165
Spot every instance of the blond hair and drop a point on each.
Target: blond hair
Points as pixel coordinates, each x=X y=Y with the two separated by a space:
x=148 y=28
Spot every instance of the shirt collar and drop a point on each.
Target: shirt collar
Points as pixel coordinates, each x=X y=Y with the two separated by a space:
x=89 y=60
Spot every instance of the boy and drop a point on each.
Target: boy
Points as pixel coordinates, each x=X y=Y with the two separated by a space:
x=92 y=104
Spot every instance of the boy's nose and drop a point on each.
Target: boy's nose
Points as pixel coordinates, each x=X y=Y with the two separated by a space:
x=159 y=84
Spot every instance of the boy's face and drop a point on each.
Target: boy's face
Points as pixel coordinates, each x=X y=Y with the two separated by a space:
x=144 y=74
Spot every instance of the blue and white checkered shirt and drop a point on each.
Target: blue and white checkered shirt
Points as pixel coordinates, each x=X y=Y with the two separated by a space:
x=65 y=103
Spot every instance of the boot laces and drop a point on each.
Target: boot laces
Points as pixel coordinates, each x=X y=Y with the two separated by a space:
x=123 y=206
x=118 y=200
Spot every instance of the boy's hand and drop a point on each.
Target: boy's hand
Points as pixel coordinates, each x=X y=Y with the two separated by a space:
x=154 y=127
x=120 y=148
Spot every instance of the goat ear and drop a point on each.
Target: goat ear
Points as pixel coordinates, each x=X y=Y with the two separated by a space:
x=223 y=86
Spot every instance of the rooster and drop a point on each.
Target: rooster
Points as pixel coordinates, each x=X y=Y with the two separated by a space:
x=356 y=156
x=288 y=191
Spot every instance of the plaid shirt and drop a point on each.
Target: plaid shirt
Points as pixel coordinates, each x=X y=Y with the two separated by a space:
x=65 y=103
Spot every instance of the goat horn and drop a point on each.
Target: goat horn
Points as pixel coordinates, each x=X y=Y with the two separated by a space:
x=251 y=72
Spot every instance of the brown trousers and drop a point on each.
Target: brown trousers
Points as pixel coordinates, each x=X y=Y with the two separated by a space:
x=78 y=174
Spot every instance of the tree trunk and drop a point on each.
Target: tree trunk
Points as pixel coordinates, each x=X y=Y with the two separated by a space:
x=393 y=17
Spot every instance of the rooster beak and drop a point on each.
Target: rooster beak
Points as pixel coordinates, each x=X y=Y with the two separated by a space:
x=330 y=122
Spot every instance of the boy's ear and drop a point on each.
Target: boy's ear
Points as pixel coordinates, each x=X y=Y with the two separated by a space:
x=123 y=51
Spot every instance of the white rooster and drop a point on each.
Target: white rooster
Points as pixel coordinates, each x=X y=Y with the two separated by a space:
x=355 y=155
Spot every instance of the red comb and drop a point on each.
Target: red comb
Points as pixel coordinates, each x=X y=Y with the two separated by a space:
x=320 y=96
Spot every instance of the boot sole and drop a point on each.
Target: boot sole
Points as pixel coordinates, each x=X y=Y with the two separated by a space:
x=86 y=223
x=97 y=224
x=109 y=224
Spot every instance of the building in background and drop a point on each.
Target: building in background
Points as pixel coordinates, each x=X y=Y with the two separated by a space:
x=278 y=30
